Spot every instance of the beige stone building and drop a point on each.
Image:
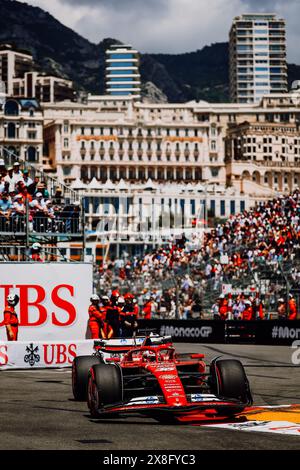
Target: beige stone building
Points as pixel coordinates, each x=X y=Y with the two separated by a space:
x=237 y=152
x=254 y=148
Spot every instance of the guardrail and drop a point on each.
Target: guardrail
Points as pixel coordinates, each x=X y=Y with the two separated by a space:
x=268 y=332
x=41 y=225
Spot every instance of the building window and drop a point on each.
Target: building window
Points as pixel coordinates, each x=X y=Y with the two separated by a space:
x=193 y=207
x=232 y=207
x=11 y=108
x=242 y=206
x=67 y=170
x=222 y=208
x=31 y=154
x=11 y=130
x=214 y=172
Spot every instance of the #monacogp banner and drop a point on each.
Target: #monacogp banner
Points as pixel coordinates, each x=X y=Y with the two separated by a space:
x=54 y=299
x=37 y=354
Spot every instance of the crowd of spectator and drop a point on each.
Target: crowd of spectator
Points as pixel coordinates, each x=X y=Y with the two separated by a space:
x=265 y=237
x=45 y=214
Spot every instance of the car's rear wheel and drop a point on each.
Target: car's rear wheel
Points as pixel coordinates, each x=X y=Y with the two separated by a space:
x=229 y=381
x=105 y=387
x=80 y=372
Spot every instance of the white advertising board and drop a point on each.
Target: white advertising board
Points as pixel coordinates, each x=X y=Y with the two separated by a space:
x=54 y=299
x=39 y=354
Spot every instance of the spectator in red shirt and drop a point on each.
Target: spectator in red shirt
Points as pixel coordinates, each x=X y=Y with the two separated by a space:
x=248 y=312
x=292 y=308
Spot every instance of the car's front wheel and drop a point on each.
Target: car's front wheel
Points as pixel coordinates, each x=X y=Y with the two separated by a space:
x=229 y=381
x=105 y=387
x=80 y=371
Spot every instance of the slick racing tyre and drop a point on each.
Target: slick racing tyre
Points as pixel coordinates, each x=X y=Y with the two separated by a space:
x=80 y=372
x=229 y=381
x=105 y=387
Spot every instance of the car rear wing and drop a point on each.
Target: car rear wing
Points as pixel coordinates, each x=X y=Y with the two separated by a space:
x=136 y=341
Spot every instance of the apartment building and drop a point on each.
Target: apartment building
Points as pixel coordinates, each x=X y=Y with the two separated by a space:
x=45 y=88
x=21 y=131
x=265 y=152
x=21 y=79
x=257 y=50
x=14 y=63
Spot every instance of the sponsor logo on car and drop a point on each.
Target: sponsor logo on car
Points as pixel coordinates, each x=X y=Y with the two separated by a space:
x=166 y=368
x=150 y=400
x=167 y=376
x=203 y=397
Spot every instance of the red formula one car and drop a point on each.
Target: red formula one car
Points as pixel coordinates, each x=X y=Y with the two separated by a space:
x=157 y=381
x=106 y=351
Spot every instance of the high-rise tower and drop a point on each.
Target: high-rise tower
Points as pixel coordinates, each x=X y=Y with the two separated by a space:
x=257 y=52
x=122 y=71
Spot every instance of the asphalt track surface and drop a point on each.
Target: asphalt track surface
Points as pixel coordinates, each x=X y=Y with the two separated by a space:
x=37 y=410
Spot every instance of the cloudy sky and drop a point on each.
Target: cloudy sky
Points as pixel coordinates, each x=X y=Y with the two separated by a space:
x=167 y=25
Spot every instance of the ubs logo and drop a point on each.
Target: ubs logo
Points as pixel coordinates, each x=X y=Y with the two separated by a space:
x=32 y=355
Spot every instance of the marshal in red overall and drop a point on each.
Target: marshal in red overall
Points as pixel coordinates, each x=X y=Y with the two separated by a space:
x=11 y=320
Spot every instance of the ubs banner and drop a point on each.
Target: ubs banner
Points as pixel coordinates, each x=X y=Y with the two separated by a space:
x=54 y=299
x=34 y=354
x=189 y=331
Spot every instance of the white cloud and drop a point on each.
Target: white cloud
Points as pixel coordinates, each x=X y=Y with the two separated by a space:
x=167 y=25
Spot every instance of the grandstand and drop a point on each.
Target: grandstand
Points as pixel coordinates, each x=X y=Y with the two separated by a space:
x=35 y=207
x=254 y=254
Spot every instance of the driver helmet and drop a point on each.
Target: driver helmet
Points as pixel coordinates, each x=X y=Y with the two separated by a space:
x=12 y=299
x=149 y=355
x=95 y=298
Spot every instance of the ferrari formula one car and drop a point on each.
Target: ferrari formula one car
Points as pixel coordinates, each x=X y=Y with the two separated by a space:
x=156 y=380
x=108 y=351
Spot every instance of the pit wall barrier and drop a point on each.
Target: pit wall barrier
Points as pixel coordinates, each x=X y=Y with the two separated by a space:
x=272 y=332
x=42 y=354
